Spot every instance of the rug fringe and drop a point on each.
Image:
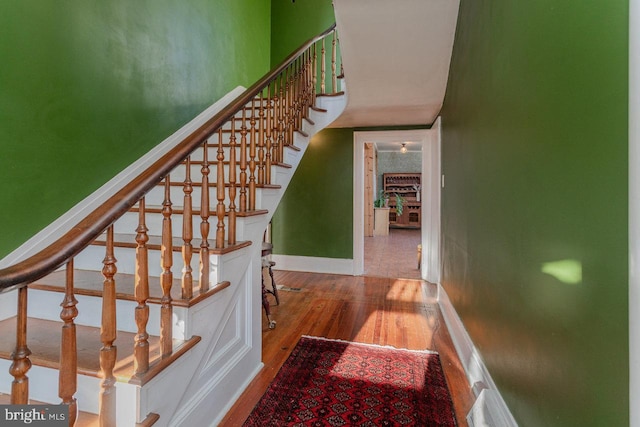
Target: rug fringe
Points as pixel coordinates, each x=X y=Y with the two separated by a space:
x=425 y=351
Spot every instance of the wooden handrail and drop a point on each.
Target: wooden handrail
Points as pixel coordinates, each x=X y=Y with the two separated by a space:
x=264 y=130
x=95 y=223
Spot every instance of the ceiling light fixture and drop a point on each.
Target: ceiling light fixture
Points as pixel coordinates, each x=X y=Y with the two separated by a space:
x=404 y=148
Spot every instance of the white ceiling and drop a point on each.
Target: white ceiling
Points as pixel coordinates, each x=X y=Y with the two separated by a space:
x=396 y=56
x=412 y=146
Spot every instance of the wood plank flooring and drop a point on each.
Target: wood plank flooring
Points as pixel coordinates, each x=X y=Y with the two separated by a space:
x=376 y=310
x=394 y=255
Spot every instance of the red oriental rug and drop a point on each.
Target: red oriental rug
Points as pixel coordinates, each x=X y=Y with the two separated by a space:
x=335 y=383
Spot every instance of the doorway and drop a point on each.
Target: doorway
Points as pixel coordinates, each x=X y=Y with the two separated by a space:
x=429 y=139
x=391 y=243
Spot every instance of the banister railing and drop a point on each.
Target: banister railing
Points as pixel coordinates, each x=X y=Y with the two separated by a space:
x=80 y=236
x=256 y=126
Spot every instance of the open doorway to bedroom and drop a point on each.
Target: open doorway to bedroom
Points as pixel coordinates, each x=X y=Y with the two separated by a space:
x=395 y=254
x=392 y=208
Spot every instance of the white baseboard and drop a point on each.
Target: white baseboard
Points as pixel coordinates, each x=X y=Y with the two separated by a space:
x=313 y=264
x=490 y=409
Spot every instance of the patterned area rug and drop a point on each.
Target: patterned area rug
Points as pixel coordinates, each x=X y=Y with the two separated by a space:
x=336 y=383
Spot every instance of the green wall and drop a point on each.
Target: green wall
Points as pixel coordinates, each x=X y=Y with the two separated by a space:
x=315 y=216
x=87 y=87
x=294 y=23
x=535 y=205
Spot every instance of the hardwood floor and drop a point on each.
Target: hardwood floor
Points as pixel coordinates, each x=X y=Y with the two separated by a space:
x=377 y=310
x=394 y=255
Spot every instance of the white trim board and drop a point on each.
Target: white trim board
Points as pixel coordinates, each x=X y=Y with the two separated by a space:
x=56 y=229
x=313 y=264
x=634 y=212
x=431 y=192
x=430 y=223
x=490 y=408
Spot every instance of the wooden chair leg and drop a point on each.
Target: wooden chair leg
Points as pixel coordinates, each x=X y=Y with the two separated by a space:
x=273 y=283
x=265 y=305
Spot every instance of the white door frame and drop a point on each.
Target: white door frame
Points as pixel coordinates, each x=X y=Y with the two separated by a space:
x=430 y=222
x=634 y=212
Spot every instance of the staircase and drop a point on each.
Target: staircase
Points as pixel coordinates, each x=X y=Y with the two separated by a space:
x=159 y=284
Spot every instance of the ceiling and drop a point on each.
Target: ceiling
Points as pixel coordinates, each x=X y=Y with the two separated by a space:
x=412 y=146
x=396 y=57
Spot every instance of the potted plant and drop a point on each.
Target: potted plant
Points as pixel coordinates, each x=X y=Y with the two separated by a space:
x=381 y=214
x=382 y=200
x=400 y=201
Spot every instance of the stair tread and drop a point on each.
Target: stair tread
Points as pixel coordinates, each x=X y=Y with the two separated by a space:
x=45 y=348
x=149 y=420
x=88 y=282
x=283 y=165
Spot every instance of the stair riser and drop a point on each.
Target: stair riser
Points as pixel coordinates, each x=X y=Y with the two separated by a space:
x=292 y=157
x=178 y=174
x=155 y=197
x=225 y=267
x=252 y=226
x=162 y=394
x=268 y=199
x=244 y=226
x=283 y=176
x=212 y=153
x=91 y=259
x=90 y=312
x=128 y=224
